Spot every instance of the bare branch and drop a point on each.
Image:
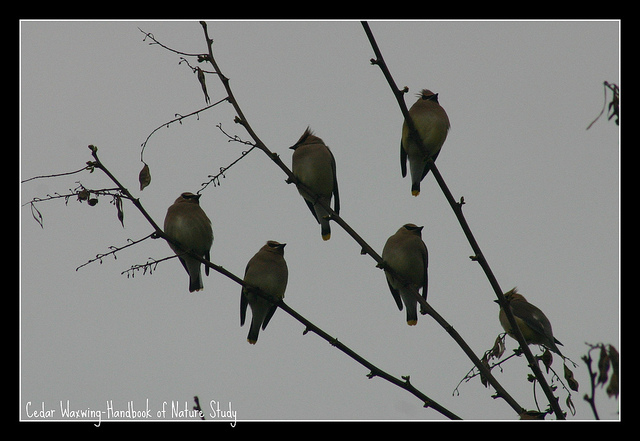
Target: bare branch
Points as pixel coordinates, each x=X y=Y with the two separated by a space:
x=366 y=248
x=56 y=175
x=113 y=251
x=457 y=209
x=178 y=118
x=374 y=370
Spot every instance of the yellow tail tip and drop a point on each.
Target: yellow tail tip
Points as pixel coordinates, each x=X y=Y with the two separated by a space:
x=412 y=322
x=415 y=192
x=326 y=236
x=252 y=342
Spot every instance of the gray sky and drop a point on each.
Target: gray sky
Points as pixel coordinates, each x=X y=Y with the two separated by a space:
x=541 y=192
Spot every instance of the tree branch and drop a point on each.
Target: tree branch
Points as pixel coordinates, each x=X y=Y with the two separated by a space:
x=375 y=371
x=457 y=209
x=366 y=248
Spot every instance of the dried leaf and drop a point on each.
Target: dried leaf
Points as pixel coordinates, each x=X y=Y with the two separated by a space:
x=118 y=202
x=144 y=177
x=483 y=380
x=603 y=366
x=613 y=355
x=568 y=375
x=36 y=215
x=83 y=195
x=532 y=415
x=547 y=359
x=498 y=347
x=570 y=405
x=612 y=389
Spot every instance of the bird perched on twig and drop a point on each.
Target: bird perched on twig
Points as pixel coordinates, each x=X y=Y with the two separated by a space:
x=534 y=325
x=432 y=124
x=407 y=255
x=188 y=224
x=267 y=271
x=314 y=166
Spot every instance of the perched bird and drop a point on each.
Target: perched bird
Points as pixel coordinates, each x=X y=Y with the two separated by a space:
x=267 y=271
x=313 y=164
x=432 y=123
x=187 y=224
x=534 y=325
x=406 y=254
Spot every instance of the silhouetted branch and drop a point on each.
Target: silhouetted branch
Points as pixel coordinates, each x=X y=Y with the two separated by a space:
x=55 y=175
x=215 y=179
x=113 y=251
x=178 y=118
x=375 y=371
x=366 y=248
x=607 y=359
x=614 y=104
x=457 y=209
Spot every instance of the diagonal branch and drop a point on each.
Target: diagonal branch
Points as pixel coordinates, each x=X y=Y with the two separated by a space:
x=457 y=209
x=366 y=248
x=374 y=370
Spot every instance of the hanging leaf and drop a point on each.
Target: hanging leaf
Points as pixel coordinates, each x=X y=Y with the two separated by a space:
x=83 y=195
x=144 y=177
x=612 y=389
x=570 y=405
x=118 y=202
x=36 y=215
x=603 y=366
x=547 y=359
x=568 y=375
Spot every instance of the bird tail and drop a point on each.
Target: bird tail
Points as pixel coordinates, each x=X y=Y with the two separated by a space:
x=254 y=330
x=195 y=279
x=415 y=188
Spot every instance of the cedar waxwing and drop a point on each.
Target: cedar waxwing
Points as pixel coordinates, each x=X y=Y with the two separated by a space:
x=267 y=270
x=188 y=224
x=314 y=165
x=534 y=325
x=432 y=123
x=407 y=255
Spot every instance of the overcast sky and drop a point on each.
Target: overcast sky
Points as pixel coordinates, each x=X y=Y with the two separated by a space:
x=542 y=198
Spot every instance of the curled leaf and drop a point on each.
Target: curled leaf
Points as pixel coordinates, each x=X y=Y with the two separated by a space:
x=83 y=195
x=118 y=203
x=37 y=215
x=603 y=366
x=498 y=347
x=144 y=177
x=547 y=359
x=570 y=405
x=568 y=375
x=612 y=389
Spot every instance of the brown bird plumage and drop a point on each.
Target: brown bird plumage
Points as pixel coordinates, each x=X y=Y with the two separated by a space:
x=534 y=325
x=267 y=271
x=188 y=224
x=313 y=164
x=432 y=124
x=407 y=255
